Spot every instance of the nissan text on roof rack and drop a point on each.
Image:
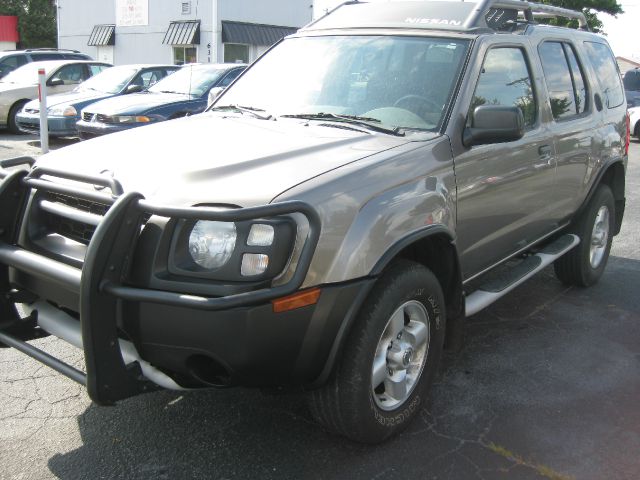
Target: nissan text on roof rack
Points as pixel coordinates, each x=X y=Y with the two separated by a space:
x=329 y=222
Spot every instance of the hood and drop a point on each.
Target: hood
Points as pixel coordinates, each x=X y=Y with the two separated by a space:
x=216 y=159
x=136 y=103
x=71 y=98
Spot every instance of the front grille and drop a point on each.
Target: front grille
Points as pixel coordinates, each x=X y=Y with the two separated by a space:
x=70 y=228
x=86 y=116
x=80 y=232
x=79 y=204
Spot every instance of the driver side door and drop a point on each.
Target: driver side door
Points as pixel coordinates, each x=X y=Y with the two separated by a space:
x=503 y=188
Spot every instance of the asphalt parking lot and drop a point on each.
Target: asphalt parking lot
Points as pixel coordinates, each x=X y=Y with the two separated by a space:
x=547 y=386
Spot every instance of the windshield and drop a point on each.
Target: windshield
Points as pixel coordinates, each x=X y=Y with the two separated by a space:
x=397 y=82
x=111 y=80
x=26 y=74
x=195 y=80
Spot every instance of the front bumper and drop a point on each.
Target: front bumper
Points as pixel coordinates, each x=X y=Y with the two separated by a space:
x=58 y=126
x=88 y=130
x=130 y=333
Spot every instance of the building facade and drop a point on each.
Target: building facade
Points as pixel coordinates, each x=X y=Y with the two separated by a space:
x=175 y=31
x=627 y=64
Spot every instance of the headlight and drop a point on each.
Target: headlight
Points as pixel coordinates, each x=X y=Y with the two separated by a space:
x=130 y=119
x=211 y=244
x=62 y=111
x=241 y=251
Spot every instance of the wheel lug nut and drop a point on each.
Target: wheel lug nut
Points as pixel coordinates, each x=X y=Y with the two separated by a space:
x=399 y=336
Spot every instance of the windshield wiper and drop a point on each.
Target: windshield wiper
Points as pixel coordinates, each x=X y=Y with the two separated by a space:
x=351 y=119
x=171 y=91
x=242 y=109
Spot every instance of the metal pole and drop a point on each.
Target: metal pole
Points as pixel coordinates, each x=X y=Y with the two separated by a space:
x=42 y=96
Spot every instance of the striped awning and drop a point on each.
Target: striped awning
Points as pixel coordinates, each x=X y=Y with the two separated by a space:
x=102 y=35
x=254 y=33
x=185 y=32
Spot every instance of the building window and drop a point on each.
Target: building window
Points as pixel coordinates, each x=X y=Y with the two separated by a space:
x=186 y=8
x=236 y=53
x=184 y=54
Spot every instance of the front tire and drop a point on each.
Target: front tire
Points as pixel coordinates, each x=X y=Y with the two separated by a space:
x=583 y=266
x=13 y=113
x=389 y=358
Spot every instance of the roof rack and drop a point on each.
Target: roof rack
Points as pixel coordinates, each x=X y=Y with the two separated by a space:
x=530 y=10
x=51 y=50
x=464 y=16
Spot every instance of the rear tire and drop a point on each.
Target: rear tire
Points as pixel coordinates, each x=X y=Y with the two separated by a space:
x=583 y=265
x=396 y=342
x=13 y=112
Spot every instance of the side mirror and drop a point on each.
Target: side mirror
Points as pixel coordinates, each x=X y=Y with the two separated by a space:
x=133 y=89
x=54 y=82
x=494 y=124
x=214 y=93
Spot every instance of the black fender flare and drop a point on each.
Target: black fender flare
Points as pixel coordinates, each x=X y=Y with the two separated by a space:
x=455 y=316
x=619 y=198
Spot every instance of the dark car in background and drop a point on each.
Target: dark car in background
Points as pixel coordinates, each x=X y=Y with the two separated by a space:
x=181 y=94
x=63 y=111
x=631 y=82
x=12 y=59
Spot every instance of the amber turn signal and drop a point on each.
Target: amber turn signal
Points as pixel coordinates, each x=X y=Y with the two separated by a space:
x=297 y=300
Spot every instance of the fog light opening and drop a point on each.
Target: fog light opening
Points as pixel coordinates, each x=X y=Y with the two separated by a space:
x=208 y=371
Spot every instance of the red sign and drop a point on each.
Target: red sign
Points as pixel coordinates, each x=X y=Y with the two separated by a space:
x=9 y=29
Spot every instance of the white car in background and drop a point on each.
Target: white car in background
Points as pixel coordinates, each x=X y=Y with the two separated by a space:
x=21 y=85
x=634 y=127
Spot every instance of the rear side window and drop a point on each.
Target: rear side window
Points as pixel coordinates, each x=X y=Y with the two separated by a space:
x=149 y=78
x=564 y=79
x=505 y=80
x=607 y=73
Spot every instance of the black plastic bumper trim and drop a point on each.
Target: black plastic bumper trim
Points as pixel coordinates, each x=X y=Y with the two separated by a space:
x=43 y=357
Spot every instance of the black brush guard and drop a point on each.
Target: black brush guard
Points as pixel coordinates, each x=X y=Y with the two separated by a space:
x=102 y=281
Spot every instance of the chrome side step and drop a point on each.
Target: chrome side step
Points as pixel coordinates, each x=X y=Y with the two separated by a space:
x=499 y=286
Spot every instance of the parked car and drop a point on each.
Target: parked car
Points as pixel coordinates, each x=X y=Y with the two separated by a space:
x=21 y=85
x=181 y=94
x=329 y=222
x=634 y=121
x=12 y=59
x=63 y=110
x=631 y=82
